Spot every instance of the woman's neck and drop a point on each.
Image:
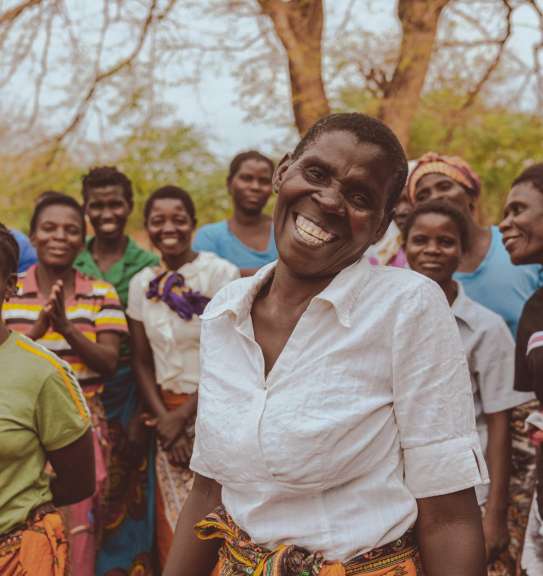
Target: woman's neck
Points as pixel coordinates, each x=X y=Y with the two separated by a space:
x=244 y=219
x=175 y=262
x=450 y=287
x=46 y=277
x=292 y=290
x=110 y=248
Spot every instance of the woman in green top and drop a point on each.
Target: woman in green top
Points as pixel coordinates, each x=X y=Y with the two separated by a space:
x=43 y=417
x=112 y=256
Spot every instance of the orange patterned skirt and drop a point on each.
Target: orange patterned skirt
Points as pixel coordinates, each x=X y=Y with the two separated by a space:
x=239 y=554
x=173 y=485
x=39 y=548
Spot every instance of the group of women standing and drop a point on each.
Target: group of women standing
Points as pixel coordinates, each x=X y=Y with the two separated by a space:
x=320 y=416
x=75 y=301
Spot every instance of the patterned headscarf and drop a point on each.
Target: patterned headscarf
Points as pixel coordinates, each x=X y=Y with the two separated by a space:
x=452 y=166
x=170 y=288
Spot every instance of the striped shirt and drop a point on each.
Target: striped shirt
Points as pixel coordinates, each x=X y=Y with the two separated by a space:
x=93 y=308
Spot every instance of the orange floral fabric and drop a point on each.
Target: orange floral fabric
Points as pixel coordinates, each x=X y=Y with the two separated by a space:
x=240 y=556
x=38 y=549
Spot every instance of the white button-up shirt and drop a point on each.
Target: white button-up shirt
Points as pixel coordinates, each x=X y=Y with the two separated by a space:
x=367 y=408
x=176 y=342
x=490 y=351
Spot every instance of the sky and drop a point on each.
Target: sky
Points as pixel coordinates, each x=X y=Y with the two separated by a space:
x=213 y=105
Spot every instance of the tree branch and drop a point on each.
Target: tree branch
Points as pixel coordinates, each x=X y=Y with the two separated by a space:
x=474 y=92
x=9 y=16
x=99 y=78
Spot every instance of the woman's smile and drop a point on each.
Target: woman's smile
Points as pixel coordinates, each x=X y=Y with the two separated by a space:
x=311 y=233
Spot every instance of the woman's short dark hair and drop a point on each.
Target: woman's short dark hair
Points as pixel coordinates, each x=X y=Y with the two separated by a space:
x=240 y=158
x=9 y=250
x=52 y=198
x=532 y=175
x=101 y=176
x=174 y=193
x=364 y=129
x=445 y=209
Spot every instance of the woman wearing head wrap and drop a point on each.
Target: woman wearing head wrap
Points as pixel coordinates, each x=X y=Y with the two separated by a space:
x=488 y=277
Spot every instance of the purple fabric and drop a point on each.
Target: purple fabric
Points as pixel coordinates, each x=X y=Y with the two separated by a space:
x=170 y=288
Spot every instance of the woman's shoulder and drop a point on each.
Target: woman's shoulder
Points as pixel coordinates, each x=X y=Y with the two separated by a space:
x=144 y=276
x=212 y=262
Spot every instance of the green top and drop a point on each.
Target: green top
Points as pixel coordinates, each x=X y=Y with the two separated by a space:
x=42 y=409
x=134 y=259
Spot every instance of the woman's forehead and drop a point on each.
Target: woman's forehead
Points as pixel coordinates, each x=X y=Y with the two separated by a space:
x=60 y=212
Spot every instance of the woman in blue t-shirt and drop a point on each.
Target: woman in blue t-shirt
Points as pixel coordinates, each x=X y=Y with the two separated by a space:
x=247 y=238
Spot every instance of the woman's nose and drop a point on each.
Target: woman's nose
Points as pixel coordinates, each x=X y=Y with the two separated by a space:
x=330 y=200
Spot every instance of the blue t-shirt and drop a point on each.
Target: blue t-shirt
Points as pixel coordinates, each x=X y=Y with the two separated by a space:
x=27 y=253
x=219 y=239
x=500 y=285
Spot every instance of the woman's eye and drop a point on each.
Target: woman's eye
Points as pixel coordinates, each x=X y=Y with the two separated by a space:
x=422 y=196
x=315 y=173
x=358 y=199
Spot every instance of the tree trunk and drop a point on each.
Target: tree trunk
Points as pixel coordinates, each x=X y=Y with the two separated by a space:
x=419 y=20
x=299 y=26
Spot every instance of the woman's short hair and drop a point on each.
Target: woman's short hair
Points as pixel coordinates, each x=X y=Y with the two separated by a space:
x=364 y=129
x=532 y=175
x=53 y=198
x=101 y=176
x=173 y=193
x=240 y=158
x=9 y=250
x=443 y=208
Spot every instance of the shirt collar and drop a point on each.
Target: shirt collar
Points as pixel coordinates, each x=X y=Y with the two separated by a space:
x=343 y=292
x=131 y=252
x=460 y=307
x=29 y=282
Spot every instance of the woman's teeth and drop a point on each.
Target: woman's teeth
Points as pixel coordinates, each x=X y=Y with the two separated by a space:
x=169 y=241
x=311 y=233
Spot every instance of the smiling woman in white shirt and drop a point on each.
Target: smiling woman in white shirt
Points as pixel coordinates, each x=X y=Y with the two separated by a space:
x=335 y=431
x=164 y=305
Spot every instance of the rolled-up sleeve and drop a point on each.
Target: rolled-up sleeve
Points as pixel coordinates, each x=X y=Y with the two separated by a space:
x=433 y=401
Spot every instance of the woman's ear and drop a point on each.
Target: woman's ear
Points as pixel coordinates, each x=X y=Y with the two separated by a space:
x=279 y=172
x=383 y=227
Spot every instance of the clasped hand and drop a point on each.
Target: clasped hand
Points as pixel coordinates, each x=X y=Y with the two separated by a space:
x=53 y=314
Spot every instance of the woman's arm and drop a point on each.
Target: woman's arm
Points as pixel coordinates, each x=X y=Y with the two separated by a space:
x=499 y=467
x=74 y=469
x=144 y=366
x=189 y=555
x=450 y=535
x=170 y=425
x=101 y=356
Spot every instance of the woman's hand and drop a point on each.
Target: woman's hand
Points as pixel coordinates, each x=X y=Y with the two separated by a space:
x=170 y=426
x=180 y=452
x=496 y=535
x=42 y=323
x=57 y=313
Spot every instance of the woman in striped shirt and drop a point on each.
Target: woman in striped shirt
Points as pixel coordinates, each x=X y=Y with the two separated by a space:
x=82 y=321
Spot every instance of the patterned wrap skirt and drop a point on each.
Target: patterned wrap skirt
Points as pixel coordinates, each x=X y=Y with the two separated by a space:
x=239 y=556
x=39 y=548
x=173 y=484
